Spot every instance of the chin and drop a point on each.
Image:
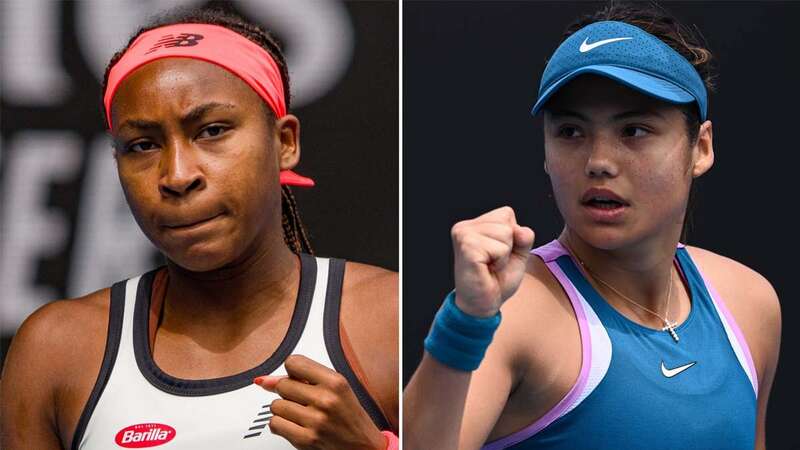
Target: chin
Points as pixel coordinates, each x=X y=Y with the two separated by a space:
x=201 y=257
x=603 y=237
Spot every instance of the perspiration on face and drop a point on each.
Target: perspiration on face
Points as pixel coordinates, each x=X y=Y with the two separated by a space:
x=209 y=149
x=599 y=133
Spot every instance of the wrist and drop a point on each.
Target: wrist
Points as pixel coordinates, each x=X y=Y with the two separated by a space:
x=458 y=339
x=471 y=309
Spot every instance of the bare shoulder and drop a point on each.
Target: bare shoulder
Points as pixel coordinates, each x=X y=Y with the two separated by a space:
x=369 y=302
x=737 y=283
x=51 y=365
x=370 y=318
x=539 y=328
x=364 y=281
x=58 y=329
x=370 y=296
x=540 y=297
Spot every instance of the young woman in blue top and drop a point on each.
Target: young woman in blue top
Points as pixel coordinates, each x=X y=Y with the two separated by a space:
x=615 y=335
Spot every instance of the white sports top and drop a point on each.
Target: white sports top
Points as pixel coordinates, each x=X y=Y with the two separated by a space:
x=136 y=405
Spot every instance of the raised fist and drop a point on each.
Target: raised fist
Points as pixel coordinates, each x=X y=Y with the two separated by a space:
x=491 y=252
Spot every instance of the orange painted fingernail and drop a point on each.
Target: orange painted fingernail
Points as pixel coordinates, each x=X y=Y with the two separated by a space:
x=268 y=382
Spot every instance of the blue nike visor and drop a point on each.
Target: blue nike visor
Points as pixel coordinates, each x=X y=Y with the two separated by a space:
x=628 y=55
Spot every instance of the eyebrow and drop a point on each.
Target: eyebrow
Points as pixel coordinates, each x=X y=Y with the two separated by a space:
x=562 y=113
x=193 y=115
x=637 y=113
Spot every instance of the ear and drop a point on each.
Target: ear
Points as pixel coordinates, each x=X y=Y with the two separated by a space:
x=703 y=151
x=546 y=170
x=287 y=130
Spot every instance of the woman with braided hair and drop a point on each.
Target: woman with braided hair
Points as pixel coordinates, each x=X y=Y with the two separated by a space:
x=244 y=340
x=614 y=335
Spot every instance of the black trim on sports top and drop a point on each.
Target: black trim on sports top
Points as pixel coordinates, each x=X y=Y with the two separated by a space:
x=194 y=388
x=116 y=311
x=333 y=343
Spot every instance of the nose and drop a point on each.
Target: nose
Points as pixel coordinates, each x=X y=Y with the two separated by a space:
x=601 y=161
x=180 y=171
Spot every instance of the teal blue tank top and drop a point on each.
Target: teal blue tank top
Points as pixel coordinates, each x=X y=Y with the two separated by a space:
x=638 y=388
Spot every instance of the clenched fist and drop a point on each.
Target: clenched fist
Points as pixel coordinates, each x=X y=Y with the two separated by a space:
x=491 y=252
x=318 y=410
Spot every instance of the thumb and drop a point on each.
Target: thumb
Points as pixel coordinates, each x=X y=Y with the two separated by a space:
x=268 y=382
x=523 y=241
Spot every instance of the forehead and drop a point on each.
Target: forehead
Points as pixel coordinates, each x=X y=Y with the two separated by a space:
x=176 y=84
x=596 y=93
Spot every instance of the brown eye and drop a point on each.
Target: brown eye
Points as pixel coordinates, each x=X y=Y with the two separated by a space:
x=634 y=131
x=212 y=131
x=569 y=132
x=141 y=146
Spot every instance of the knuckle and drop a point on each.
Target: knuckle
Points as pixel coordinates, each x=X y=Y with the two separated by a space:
x=457 y=230
x=293 y=362
x=276 y=424
x=466 y=243
x=281 y=385
x=507 y=211
x=339 y=384
x=318 y=419
x=313 y=439
x=277 y=406
x=327 y=401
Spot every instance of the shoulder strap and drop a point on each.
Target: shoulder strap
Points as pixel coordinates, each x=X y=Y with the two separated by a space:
x=333 y=343
x=115 y=314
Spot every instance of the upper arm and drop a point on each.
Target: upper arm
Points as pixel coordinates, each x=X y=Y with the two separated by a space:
x=370 y=318
x=515 y=360
x=768 y=345
x=27 y=402
x=489 y=387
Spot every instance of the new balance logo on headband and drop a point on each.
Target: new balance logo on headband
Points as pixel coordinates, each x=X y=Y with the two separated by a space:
x=181 y=40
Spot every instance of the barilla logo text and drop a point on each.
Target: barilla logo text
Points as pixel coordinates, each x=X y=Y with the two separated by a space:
x=144 y=435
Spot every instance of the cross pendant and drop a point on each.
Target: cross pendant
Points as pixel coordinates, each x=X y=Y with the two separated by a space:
x=670 y=327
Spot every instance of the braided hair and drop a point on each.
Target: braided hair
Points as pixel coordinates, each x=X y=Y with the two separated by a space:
x=294 y=233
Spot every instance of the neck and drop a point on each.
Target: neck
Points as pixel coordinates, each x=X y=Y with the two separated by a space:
x=232 y=300
x=640 y=271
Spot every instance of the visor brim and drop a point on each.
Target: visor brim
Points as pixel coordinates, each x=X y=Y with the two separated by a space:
x=647 y=84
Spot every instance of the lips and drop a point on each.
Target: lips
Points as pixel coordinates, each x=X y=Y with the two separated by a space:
x=183 y=223
x=604 y=205
x=603 y=198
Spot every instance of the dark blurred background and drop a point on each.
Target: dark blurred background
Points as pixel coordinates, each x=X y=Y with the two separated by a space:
x=65 y=229
x=471 y=72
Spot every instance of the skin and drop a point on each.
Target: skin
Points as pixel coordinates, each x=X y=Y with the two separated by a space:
x=597 y=134
x=198 y=161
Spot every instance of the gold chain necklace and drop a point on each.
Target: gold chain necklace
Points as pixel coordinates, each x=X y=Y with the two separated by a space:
x=669 y=326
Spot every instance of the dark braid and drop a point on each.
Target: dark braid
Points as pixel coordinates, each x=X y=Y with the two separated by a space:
x=294 y=234
x=293 y=231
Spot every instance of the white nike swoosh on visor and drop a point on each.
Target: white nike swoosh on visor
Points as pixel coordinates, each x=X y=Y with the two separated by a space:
x=669 y=373
x=586 y=47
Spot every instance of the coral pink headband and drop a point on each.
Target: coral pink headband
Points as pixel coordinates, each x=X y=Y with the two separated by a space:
x=217 y=45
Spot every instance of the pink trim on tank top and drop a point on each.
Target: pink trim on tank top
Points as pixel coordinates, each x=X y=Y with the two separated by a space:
x=549 y=253
x=737 y=332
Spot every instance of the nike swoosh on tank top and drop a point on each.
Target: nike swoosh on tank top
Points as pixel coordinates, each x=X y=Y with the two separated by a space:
x=623 y=400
